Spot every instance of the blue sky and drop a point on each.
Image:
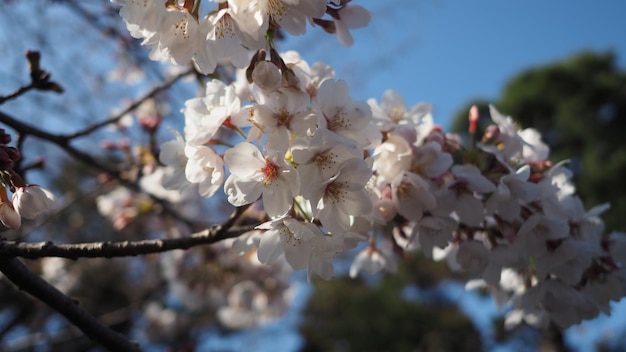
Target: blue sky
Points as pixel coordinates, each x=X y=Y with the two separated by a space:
x=447 y=52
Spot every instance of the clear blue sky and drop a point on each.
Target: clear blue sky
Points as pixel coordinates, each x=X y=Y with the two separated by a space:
x=447 y=52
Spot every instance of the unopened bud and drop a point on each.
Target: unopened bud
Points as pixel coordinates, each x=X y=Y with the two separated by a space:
x=150 y=123
x=290 y=79
x=39 y=163
x=276 y=59
x=33 y=58
x=491 y=132
x=473 y=119
x=4 y=157
x=437 y=136
x=124 y=143
x=108 y=145
x=5 y=138
x=267 y=76
x=260 y=56
x=13 y=153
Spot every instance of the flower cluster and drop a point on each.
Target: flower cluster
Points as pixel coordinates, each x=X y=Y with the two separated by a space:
x=332 y=172
x=28 y=201
x=176 y=31
x=497 y=210
x=303 y=155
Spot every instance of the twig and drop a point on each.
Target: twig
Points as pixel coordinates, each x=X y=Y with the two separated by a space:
x=64 y=143
x=26 y=280
x=17 y=93
x=92 y=128
x=109 y=249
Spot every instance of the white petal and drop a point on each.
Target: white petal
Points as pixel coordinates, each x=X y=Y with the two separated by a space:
x=270 y=246
x=244 y=159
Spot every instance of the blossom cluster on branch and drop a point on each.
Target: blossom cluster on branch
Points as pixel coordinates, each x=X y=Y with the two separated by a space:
x=331 y=172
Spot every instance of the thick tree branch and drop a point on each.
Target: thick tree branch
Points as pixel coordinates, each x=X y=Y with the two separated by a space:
x=109 y=249
x=26 y=280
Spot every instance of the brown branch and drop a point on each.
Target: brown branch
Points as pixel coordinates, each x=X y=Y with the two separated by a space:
x=108 y=249
x=64 y=143
x=26 y=280
x=17 y=93
x=64 y=140
x=92 y=128
x=61 y=141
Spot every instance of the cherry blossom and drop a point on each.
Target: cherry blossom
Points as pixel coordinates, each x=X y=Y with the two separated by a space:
x=253 y=176
x=350 y=17
x=340 y=114
x=371 y=260
x=205 y=115
x=290 y=237
x=343 y=196
x=205 y=168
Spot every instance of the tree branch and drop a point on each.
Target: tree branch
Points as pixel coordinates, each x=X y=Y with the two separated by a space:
x=109 y=249
x=165 y=85
x=17 y=93
x=26 y=280
x=64 y=143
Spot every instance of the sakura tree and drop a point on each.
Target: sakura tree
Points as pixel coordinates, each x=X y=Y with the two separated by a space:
x=308 y=174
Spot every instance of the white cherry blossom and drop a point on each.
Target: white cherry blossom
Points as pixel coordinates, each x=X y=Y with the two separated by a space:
x=392 y=158
x=392 y=114
x=412 y=195
x=173 y=156
x=343 y=197
x=205 y=115
x=429 y=160
x=372 y=261
x=205 y=168
x=340 y=114
x=433 y=231
x=290 y=237
x=350 y=17
x=253 y=176
x=319 y=157
x=472 y=256
x=283 y=112
x=512 y=192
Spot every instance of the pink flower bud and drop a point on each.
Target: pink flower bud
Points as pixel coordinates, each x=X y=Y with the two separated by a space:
x=150 y=122
x=491 y=132
x=473 y=118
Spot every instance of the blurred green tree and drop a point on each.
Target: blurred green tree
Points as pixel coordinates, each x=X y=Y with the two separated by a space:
x=354 y=315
